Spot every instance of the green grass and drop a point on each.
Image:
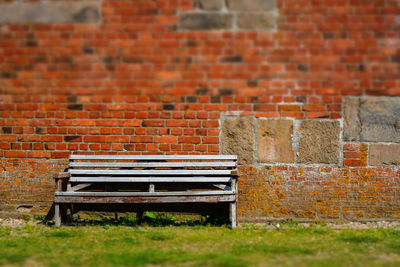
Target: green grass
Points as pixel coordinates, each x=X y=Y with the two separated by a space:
x=122 y=245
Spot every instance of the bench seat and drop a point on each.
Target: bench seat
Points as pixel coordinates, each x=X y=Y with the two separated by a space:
x=148 y=179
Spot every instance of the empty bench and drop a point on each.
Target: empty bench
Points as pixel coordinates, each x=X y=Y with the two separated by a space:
x=147 y=179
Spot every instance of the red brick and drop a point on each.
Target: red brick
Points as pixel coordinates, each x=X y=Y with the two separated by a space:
x=5 y=146
x=166 y=139
x=189 y=139
x=51 y=138
x=8 y=138
x=15 y=154
x=289 y=108
x=60 y=154
x=210 y=140
x=117 y=139
x=153 y=123
x=315 y=107
x=39 y=154
x=317 y=114
x=351 y=154
x=141 y=139
x=107 y=123
x=351 y=147
x=94 y=139
x=210 y=123
x=177 y=123
x=353 y=162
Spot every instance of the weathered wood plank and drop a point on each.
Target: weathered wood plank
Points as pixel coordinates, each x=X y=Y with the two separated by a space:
x=151 y=172
x=153 y=157
x=169 y=199
x=233 y=214
x=57 y=214
x=152 y=194
x=222 y=164
x=110 y=179
x=62 y=175
x=223 y=187
x=79 y=187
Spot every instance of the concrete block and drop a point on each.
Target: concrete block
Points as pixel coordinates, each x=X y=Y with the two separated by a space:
x=251 y=5
x=50 y=12
x=275 y=141
x=205 y=21
x=210 y=5
x=319 y=142
x=256 y=21
x=238 y=138
x=372 y=119
x=384 y=154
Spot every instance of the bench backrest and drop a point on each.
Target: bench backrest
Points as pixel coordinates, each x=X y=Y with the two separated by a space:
x=152 y=168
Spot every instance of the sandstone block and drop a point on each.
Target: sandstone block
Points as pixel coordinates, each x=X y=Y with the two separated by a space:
x=372 y=119
x=352 y=127
x=238 y=138
x=50 y=12
x=251 y=5
x=319 y=142
x=205 y=21
x=275 y=141
x=382 y=154
x=209 y=5
x=257 y=21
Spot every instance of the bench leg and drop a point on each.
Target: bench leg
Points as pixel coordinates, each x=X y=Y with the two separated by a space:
x=139 y=216
x=57 y=214
x=233 y=215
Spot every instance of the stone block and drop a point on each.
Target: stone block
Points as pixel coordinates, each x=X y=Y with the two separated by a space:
x=50 y=12
x=238 y=138
x=372 y=119
x=275 y=141
x=319 y=142
x=251 y=5
x=210 y=5
x=205 y=21
x=384 y=154
x=352 y=127
x=257 y=21
x=380 y=119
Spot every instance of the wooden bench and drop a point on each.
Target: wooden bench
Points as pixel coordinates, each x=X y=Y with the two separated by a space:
x=148 y=179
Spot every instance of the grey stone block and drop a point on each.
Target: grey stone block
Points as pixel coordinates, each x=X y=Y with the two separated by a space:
x=319 y=142
x=380 y=119
x=210 y=5
x=50 y=12
x=251 y=5
x=205 y=21
x=383 y=155
x=238 y=138
x=372 y=119
x=257 y=21
x=275 y=141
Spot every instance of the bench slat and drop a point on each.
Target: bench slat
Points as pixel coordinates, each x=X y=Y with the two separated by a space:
x=146 y=199
x=194 y=179
x=153 y=157
x=222 y=164
x=151 y=172
x=152 y=194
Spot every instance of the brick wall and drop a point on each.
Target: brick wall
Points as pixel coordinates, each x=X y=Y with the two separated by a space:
x=305 y=92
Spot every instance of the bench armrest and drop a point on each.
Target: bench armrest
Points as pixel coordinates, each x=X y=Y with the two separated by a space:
x=60 y=178
x=62 y=175
x=235 y=174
